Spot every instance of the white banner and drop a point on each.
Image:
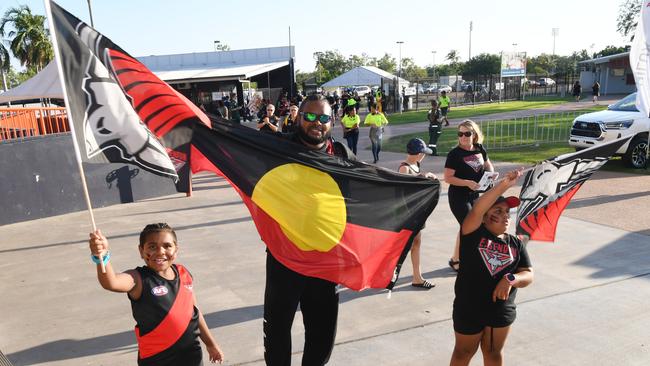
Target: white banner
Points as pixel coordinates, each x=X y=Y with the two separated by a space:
x=640 y=59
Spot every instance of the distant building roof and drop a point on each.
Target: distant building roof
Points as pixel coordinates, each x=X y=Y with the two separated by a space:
x=218 y=65
x=605 y=59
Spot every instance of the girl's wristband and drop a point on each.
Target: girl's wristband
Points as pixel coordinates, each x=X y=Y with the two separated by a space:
x=105 y=258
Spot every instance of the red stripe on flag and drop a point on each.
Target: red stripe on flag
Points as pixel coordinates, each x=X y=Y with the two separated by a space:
x=548 y=216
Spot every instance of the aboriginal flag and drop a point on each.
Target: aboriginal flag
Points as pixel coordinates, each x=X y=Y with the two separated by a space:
x=121 y=112
x=320 y=215
x=550 y=185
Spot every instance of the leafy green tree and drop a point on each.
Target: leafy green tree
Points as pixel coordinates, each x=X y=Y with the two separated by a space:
x=356 y=61
x=5 y=63
x=411 y=71
x=29 y=39
x=387 y=63
x=543 y=64
x=611 y=50
x=329 y=64
x=627 y=20
x=454 y=61
x=483 y=64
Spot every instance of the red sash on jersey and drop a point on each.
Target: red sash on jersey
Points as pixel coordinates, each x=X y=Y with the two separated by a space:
x=172 y=327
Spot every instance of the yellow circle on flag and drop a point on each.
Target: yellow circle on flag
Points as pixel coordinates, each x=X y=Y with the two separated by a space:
x=306 y=203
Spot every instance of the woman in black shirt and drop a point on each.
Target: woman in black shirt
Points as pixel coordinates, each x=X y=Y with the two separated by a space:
x=495 y=264
x=464 y=168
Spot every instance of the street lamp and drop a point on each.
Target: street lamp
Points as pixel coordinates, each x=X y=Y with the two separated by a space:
x=433 y=66
x=216 y=45
x=399 y=70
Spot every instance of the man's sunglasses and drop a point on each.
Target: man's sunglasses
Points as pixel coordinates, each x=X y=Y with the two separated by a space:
x=313 y=117
x=466 y=134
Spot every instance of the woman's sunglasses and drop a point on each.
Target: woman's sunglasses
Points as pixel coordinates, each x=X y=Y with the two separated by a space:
x=313 y=117
x=466 y=134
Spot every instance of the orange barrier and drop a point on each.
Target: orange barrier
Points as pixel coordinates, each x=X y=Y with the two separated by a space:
x=19 y=123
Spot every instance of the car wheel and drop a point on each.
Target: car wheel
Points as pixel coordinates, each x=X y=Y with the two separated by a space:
x=636 y=153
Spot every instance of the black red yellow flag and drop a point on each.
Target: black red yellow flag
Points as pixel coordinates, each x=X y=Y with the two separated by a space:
x=320 y=215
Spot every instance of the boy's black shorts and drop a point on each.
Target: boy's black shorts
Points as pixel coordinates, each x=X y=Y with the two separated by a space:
x=469 y=320
x=444 y=110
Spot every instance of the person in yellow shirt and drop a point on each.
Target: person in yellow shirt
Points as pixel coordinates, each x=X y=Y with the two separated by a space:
x=444 y=102
x=350 y=123
x=376 y=120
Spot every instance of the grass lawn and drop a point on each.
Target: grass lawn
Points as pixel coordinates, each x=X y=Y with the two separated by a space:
x=478 y=109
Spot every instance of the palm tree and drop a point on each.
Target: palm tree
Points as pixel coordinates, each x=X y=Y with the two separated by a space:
x=453 y=59
x=5 y=63
x=29 y=39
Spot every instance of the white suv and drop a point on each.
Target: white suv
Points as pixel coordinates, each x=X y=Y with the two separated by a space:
x=362 y=90
x=621 y=119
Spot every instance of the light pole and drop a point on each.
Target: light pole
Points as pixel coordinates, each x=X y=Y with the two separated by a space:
x=433 y=66
x=555 y=32
x=216 y=45
x=90 y=11
x=471 y=27
x=399 y=76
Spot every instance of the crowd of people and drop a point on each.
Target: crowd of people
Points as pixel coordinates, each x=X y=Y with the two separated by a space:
x=491 y=264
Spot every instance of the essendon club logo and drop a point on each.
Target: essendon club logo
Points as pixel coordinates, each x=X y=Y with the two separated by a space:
x=496 y=256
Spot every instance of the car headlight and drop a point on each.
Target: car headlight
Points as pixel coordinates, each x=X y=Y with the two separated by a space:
x=618 y=125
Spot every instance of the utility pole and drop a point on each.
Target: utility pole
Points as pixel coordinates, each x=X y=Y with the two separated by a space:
x=555 y=32
x=399 y=76
x=471 y=27
x=90 y=11
x=433 y=66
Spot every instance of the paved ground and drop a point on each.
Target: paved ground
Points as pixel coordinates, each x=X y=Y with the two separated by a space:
x=587 y=306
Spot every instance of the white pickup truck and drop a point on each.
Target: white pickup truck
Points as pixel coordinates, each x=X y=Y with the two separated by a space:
x=621 y=119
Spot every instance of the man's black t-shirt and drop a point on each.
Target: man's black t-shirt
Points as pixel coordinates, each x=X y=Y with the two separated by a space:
x=485 y=259
x=467 y=165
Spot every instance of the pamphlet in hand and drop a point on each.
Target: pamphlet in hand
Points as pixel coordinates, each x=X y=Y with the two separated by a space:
x=487 y=180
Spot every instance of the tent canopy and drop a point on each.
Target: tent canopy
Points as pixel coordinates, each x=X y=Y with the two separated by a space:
x=362 y=75
x=45 y=84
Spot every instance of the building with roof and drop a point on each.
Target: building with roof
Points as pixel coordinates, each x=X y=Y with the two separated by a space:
x=612 y=72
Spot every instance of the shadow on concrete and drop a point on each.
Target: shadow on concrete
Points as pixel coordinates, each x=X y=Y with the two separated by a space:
x=233 y=203
x=586 y=202
x=135 y=235
x=65 y=349
x=207 y=187
x=627 y=256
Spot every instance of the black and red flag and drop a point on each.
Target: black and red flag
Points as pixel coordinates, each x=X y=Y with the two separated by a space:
x=121 y=112
x=549 y=186
x=320 y=215
x=323 y=216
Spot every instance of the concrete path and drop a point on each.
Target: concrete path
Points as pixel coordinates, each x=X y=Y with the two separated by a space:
x=588 y=305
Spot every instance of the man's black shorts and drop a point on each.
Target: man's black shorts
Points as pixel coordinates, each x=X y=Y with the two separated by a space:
x=444 y=110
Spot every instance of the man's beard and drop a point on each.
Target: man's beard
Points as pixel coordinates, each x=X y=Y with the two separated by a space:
x=313 y=140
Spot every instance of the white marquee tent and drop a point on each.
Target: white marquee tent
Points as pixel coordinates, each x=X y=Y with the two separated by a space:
x=45 y=84
x=363 y=75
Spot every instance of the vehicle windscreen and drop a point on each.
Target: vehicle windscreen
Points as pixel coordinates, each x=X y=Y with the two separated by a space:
x=626 y=104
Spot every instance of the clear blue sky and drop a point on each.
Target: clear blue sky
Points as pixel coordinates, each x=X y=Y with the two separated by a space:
x=147 y=27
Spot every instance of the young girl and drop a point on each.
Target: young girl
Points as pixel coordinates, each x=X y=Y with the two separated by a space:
x=416 y=150
x=495 y=265
x=350 y=123
x=162 y=300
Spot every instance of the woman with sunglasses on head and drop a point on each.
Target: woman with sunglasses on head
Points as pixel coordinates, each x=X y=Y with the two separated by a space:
x=464 y=168
x=350 y=123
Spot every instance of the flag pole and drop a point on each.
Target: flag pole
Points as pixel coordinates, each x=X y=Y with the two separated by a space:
x=77 y=152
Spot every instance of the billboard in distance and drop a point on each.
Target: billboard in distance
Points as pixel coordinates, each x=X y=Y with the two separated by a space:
x=513 y=64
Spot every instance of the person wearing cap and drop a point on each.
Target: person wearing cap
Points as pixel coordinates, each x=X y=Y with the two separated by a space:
x=464 y=168
x=416 y=150
x=376 y=121
x=495 y=265
x=444 y=101
x=290 y=123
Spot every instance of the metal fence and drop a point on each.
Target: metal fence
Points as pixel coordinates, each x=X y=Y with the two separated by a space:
x=522 y=131
x=19 y=123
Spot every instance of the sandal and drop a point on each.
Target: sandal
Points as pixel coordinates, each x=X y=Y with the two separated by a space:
x=424 y=285
x=454 y=264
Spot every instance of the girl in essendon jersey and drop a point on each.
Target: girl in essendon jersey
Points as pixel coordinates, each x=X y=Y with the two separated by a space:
x=162 y=300
x=495 y=265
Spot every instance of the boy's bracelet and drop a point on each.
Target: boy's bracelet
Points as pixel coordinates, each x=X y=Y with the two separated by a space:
x=105 y=258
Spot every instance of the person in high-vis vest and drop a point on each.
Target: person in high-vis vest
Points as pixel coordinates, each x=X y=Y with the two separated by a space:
x=350 y=123
x=379 y=101
x=444 y=102
x=162 y=298
x=376 y=121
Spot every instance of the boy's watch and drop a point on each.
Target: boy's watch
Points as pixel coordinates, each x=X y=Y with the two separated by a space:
x=510 y=278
